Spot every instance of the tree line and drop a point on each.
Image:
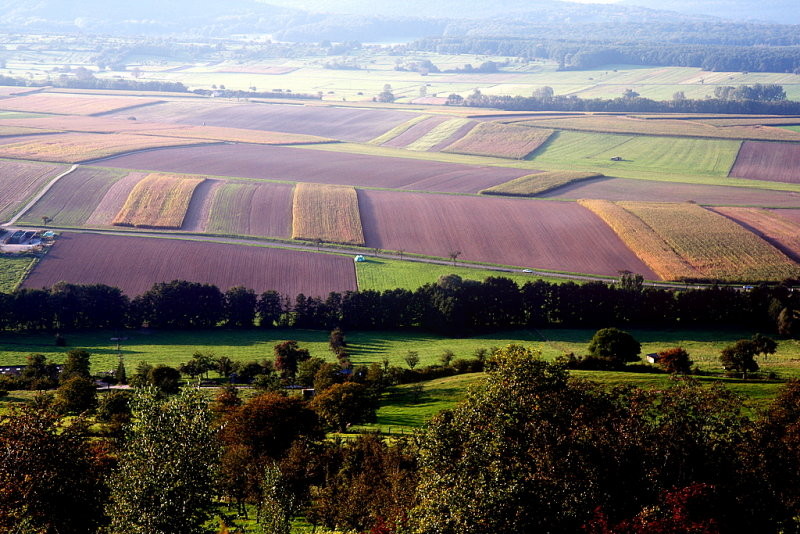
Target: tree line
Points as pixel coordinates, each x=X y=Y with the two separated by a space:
x=590 y=54
x=530 y=449
x=451 y=306
x=755 y=99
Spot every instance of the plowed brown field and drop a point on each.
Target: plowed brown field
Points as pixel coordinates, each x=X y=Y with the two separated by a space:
x=792 y=215
x=134 y=264
x=252 y=209
x=73 y=199
x=336 y=123
x=623 y=189
x=19 y=180
x=778 y=162
x=542 y=234
x=306 y=165
x=500 y=140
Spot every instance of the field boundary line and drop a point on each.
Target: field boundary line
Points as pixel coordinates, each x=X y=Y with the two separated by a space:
x=40 y=194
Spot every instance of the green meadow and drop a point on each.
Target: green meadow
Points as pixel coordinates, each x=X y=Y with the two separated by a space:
x=13 y=268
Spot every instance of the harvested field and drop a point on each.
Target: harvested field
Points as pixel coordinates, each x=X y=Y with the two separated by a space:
x=77 y=147
x=158 y=201
x=714 y=245
x=13 y=90
x=792 y=215
x=20 y=180
x=196 y=219
x=500 y=141
x=326 y=212
x=414 y=133
x=259 y=209
x=134 y=264
x=643 y=241
x=541 y=234
x=326 y=121
x=74 y=198
x=73 y=104
x=777 y=162
x=536 y=184
x=113 y=200
x=74 y=123
x=783 y=233
x=720 y=195
x=666 y=127
x=306 y=165
x=441 y=134
x=713 y=157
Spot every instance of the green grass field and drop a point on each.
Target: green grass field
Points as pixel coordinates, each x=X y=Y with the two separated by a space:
x=662 y=154
x=381 y=274
x=12 y=269
x=793 y=128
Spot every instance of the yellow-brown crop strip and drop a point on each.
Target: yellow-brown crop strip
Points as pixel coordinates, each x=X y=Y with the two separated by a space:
x=158 y=201
x=499 y=140
x=80 y=147
x=535 y=184
x=327 y=213
x=769 y=224
x=643 y=241
x=712 y=244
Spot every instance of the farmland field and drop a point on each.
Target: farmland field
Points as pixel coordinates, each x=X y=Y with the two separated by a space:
x=792 y=215
x=381 y=274
x=79 y=147
x=113 y=200
x=415 y=132
x=257 y=209
x=320 y=166
x=663 y=127
x=643 y=241
x=326 y=212
x=441 y=135
x=325 y=121
x=72 y=104
x=779 y=162
x=158 y=201
x=12 y=269
x=134 y=264
x=402 y=128
x=14 y=131
x=19 y=180
x=529 y=233
x=536 y=184
x=75 y=123
x=781 y=232
x=721 y=249
x=74 y=198
x=500 y=140
x=664 y=154
x=648 y=191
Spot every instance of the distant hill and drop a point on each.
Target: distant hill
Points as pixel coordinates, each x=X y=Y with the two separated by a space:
x=775 y=11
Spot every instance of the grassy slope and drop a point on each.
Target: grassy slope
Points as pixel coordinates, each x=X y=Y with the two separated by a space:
x=12 y=269
x=381 y=274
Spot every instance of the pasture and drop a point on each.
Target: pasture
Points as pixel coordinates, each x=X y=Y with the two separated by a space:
x=134 y=264
x=13 y=268
x=595 y=151
x=326 y=213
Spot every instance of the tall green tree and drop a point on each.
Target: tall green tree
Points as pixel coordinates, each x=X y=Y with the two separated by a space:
x=166 y=479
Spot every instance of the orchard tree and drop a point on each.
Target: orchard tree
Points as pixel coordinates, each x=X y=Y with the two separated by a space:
x=614 y=346
x=166 y=479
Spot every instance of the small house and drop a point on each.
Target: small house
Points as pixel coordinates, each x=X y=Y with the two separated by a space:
x=653 y=357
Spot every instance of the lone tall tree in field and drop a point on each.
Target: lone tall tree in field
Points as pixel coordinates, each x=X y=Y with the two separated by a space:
x=166 y=479
x=615 y=346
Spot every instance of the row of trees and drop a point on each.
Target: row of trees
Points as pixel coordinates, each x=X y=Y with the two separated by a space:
x=451 y=306
x=530 y=450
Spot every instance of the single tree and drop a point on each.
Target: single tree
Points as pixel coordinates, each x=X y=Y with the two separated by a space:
x=675 y=361
x=77 y=394
x=287 y=356
x=614 y=346
x=411 y=358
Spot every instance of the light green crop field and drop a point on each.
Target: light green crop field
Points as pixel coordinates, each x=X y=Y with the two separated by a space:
x=662 y=154
x=793 y=128
x=381 y=274
x=12 y=270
